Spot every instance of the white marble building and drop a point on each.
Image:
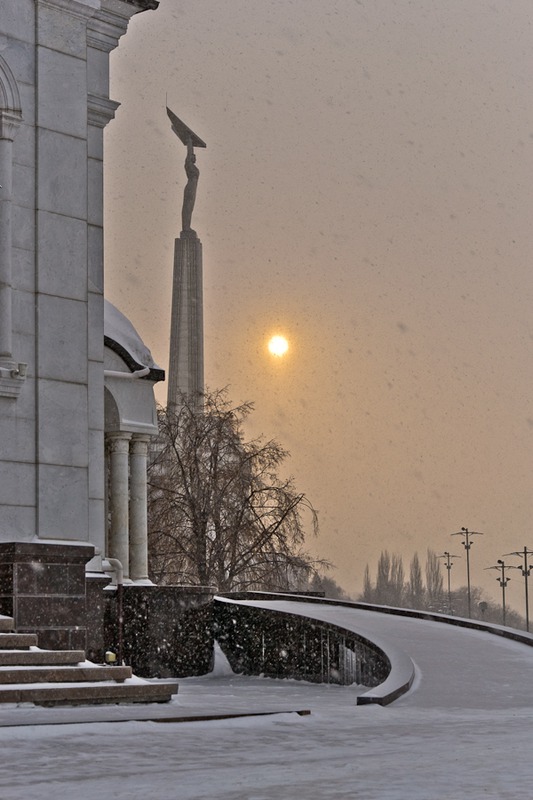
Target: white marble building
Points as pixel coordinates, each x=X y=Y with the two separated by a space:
x=54 y=105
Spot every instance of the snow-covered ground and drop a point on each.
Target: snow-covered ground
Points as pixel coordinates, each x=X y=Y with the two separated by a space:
x=462 y=732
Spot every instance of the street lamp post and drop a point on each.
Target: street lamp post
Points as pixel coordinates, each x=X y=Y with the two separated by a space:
x=467 y=544
x=449 y=564
x=503 y=581
x=525 y=568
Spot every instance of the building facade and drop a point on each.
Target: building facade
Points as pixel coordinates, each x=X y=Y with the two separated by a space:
x=54 y=106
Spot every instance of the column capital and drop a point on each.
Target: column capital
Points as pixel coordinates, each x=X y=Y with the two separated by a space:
x=9 y=124
x=118 y=442
x=139 y=444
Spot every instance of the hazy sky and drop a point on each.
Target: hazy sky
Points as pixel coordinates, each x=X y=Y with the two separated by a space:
x=367 y=190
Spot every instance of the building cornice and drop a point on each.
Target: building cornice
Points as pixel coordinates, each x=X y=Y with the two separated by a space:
x=100 y=110
x=110 y=22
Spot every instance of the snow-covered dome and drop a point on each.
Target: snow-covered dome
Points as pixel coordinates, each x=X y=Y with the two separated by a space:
x=121 y=337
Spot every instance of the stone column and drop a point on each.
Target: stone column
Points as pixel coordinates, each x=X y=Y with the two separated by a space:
x=138 y=510
x=118 y=543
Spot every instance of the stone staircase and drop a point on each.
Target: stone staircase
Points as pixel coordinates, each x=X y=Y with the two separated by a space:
x=63 y=677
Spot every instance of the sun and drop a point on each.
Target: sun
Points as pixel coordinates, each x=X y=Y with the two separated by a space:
x=278 y=346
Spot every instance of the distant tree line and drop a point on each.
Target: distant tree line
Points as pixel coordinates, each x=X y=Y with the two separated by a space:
x=423 y=589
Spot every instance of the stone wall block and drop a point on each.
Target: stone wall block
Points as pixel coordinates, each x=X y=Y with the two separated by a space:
x=62 y=174
x=95 y=257
x=34 y=577
x=95 y=143
x=64 y=33
x=20 y=56
x=18 y=19
x=62 y=243
x=24 y=346
x=97 y=522
x=6 y=580
x=17 y=486
x=97 y=72
x=96 y=322
x=63 y=81
x=95 y=175
x=17 y=435
x=62 y=339
x=24 y=143
x=23 y=313
x=63 y=424
x=96 y=396
x=23 y=263
x=17 y=522
x=23 y=227
x=47 y=591
x=57 y=611
x=96 y=464
x=24 y=183
x=63 y=502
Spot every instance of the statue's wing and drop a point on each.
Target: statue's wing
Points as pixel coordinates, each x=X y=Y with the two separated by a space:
x=183 y=132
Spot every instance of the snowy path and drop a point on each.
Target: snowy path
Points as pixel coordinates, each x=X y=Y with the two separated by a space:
x=460 y=667
x=463 y=732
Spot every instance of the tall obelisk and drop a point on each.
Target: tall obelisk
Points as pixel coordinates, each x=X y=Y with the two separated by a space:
x=186 y=360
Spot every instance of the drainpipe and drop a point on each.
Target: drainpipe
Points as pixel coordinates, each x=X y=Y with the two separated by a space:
x=113 y=373
x=114 y=566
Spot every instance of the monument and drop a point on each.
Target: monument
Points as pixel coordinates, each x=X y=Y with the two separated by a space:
x=186 y=360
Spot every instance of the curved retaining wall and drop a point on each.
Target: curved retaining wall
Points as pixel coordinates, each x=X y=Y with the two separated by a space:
x=279 y=643
x=401 y=672
x=497 y=630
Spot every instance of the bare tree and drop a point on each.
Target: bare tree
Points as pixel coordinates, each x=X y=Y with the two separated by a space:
x=219 y=513
x=368 y=589
x=382 y=593
x=390 y=589
x=434 y=581
x=415 y=590
x=397 y=577
x=390 y=584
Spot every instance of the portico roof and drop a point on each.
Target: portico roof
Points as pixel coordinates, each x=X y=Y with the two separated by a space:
x=121 y=337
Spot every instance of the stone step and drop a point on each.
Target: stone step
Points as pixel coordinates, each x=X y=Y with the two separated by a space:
x=89 y=694
x=37 y=657
x=6 y=623
x=47 y=674
x=17 y=641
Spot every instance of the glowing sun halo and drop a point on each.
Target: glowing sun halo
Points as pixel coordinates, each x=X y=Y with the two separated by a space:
x=278 y=346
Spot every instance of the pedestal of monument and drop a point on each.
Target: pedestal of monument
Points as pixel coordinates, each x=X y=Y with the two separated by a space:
x=186 y=364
